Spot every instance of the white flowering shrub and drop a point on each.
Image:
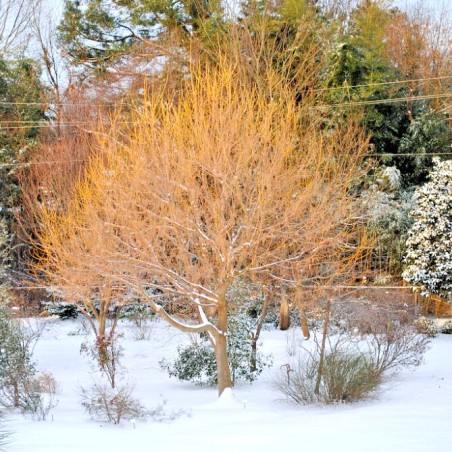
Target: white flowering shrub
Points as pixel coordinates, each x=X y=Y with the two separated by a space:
x=428 y=256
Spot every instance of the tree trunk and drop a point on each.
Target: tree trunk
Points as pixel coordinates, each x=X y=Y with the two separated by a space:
x=326 y=325
x=284 y=315
x=224 y=373
x=221 y=350
x=255 y=336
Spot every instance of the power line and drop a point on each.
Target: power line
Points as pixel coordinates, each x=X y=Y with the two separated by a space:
x=394 y=82
x=388 y=101
x=342 y=104
x=331 y=88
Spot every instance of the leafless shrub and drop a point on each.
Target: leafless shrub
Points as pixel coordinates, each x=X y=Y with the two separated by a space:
x=353 y=366
x=106 y=351
x=143 y=321
x=106 y=404
x=346 y=375
x=40 y=396
x=399 y=347
x=112 y=405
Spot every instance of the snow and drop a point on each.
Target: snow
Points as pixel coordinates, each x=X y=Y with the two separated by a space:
x=412 y=412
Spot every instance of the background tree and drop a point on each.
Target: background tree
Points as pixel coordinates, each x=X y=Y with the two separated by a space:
x=15 y=18
x=428 y=257
x=21 y=117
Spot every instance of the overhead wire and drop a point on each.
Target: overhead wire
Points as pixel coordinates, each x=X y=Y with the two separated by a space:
x=330 y=88
x=41 y=124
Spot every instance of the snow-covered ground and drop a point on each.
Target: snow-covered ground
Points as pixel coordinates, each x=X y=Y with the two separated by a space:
x=412 y=413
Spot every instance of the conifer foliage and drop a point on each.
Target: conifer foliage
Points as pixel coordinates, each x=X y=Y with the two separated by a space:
x=429 y=244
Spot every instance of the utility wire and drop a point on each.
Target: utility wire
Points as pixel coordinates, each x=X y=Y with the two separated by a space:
x=331 y=88
x=342 y=104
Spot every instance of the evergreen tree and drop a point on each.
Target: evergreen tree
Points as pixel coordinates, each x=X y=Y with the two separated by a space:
x=22 y=113
x=429 y=256
x=98 y=32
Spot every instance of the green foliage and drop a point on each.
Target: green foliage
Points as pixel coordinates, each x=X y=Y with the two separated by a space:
x=96 y=32
x=61 y=309
x=428 y=257
x=390 y=221
x=447 y=327
x=428 y=133
x=196 y=362
x=17 y=369
x=21 y=92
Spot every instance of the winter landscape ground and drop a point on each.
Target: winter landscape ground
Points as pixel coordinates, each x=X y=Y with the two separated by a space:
x=412 y=412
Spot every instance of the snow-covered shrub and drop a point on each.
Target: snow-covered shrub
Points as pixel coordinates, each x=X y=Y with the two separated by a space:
x=196 y=362
x=389 y=221
x=447 y=327
x=425 y=326
x=61 y=309
x=107 y=404
x=248 y=298
x=428 y=257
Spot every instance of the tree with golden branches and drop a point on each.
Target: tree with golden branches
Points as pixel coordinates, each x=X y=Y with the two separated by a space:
x=226 y=179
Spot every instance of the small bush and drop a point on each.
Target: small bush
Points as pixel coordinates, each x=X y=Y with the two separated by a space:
x=107 y=404
x=447 y=327
x=106 y=352
x=347 y=376
x=196 y=362
x=425 y=326
x=17 y=368
x=142 y=317
x=40 y=396
x=353 y=366
x=61 y=309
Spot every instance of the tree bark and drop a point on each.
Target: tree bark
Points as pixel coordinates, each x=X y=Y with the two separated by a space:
x=221 y=350
x=284 y=315
x=326 y=325
x=255 y=336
